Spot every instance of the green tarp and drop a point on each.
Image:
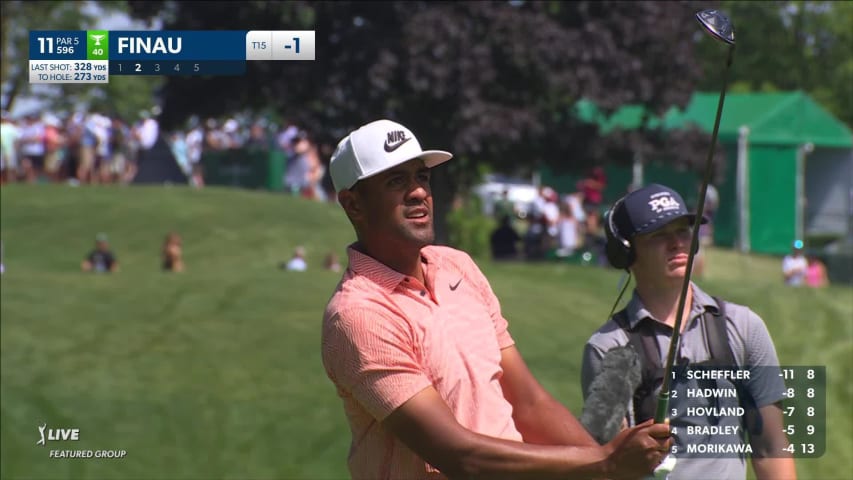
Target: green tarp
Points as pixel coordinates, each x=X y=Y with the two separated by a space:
x=786 y=118
x=783 y=118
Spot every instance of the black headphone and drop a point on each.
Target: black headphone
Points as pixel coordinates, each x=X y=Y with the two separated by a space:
x=620 y=251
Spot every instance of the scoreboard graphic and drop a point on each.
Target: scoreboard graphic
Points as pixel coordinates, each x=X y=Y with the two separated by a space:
x=92 y=56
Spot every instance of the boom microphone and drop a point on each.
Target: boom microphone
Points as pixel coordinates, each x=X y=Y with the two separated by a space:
x=611 y=392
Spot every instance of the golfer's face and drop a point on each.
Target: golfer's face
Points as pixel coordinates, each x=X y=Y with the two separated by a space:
x=399 y=204
x=663 y=254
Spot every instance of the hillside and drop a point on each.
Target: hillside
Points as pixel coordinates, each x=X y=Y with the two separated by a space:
x=215 y=373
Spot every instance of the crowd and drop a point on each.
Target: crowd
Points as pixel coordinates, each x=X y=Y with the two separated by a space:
x=91 y=147
x=557 y=226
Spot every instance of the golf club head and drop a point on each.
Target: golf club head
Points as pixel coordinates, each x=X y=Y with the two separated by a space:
x=718 y=25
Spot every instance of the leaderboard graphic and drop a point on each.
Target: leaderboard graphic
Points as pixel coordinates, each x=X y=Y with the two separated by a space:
x=710 y=421
x=92 y=56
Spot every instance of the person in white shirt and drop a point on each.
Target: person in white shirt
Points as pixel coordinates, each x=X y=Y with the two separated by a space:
x=569 y=232
x=9 y=136
x=794 y=265
x=297 y=263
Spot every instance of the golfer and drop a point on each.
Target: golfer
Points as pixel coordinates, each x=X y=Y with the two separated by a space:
x=415 y=343
x=649 y=233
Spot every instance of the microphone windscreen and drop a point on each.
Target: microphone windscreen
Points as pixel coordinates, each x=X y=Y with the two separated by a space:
x=610 y=393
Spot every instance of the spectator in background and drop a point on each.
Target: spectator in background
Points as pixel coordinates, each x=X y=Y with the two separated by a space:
x=32 y=148
x=575 y=202
x=286 y=136
x=569 y=236
x=195 y=148
x=147 y=131
x=213 y=136
x=308 y=170
x=534 y=238
x=120 y=151
x=592 y=187
x=54 y=143
x=172 y=253
x=595 y=238
x=503 y=207
x=712 y=203
x=101 y=126
x=794 y=265
x=550 y=219
x=331 y=262
x=178 y=146
x=101 y=259
x=296 y=176
x=504 y=240
x=816 y=273
x=74 y=132
x=258 y=139
x=297 y=263
x=9 y=136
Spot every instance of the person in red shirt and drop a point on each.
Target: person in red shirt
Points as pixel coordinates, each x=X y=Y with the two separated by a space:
x=593 y=188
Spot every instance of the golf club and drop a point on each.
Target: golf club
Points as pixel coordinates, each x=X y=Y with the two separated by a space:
x=721 y=28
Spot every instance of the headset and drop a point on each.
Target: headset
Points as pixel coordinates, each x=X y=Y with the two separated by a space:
x=620 y=252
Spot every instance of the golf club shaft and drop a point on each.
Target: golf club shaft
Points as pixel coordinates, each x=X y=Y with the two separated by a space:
x=663 y=396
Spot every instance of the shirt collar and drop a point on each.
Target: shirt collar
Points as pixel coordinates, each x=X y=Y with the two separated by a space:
x=702 y=302
x=377 y=272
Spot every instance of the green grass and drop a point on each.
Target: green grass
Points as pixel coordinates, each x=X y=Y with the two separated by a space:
x=216 y=373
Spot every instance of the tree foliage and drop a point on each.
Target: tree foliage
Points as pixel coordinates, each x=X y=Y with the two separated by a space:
x=494 y=82
x=790 y=45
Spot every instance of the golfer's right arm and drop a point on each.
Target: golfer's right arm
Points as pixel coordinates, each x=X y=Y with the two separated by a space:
x=427 y=426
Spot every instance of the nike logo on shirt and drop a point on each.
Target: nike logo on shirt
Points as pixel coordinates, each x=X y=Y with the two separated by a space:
x=454 y=287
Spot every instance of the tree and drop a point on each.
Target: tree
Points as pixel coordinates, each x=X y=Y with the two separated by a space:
x=790 y=45
x=493 y=82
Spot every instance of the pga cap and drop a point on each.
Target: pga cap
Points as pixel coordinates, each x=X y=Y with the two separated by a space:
x=648 y=209
x=374 y=148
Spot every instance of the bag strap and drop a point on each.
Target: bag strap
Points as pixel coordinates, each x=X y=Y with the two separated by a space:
x=717 y=335
x=642 y=339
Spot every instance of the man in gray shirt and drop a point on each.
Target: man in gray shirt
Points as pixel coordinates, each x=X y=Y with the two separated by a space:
x=716 y=423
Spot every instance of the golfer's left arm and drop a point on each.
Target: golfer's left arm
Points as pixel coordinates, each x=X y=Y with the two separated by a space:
x=538 y=416
x=767 y=459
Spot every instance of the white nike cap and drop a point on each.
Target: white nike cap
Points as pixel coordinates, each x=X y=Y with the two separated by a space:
x=374 y=148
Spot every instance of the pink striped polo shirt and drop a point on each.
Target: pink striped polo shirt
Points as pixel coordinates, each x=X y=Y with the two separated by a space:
x=386 y=337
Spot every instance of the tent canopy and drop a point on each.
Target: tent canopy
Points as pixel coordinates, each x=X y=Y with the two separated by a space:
x=781 y=118
x=784 y=118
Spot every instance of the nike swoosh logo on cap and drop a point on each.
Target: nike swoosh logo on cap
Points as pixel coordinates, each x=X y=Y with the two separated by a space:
x=454 y=287
x=391 y=147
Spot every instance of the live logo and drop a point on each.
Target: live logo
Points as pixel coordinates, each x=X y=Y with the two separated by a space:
x=63 y=434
